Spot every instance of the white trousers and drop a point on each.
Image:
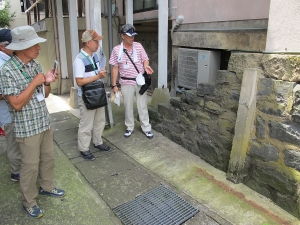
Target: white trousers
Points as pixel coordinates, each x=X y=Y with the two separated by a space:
x=90 y=121
x=128 y=92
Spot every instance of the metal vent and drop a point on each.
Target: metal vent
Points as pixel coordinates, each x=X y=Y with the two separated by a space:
x=187 y=68
x=160 y=206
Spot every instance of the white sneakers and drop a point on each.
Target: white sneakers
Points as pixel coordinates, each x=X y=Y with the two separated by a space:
x=147 y=133
x=128 y=133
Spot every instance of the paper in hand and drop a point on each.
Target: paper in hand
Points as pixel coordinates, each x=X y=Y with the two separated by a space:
x=117 y=98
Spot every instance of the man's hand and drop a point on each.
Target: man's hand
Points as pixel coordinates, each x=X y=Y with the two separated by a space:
x=39 y=79
x=50 y=77
x=148 y=70
x=102 y=74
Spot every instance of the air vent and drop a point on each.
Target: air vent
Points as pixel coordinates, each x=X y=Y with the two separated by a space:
x=197 y=66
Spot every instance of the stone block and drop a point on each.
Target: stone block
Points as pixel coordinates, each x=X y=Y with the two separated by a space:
x=260 y=127
x=160 y=95
x=74 y=97
x=263 y=151
x=154 y=115
x=213 y=108
x=274 y=178
x=166 y=110
x=289 y=133
x=281 y=67
x=239 y=61
x=292 y=158
x=226 y=78
x=206 y=89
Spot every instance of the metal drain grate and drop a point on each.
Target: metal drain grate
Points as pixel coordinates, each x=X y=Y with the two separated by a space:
x=160 y=206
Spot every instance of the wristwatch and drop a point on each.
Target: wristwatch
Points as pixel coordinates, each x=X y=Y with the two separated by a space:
x=112 y=86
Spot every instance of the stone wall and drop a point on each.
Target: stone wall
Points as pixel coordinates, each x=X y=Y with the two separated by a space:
x=203 y=121
x=273 y=156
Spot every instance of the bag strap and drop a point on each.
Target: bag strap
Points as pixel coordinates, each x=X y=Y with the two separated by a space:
x=125 y=50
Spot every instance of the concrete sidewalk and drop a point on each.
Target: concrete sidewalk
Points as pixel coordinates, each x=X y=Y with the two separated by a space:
x=134 y=166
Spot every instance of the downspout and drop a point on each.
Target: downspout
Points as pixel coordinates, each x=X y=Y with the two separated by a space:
x=110 y=35
x=87 y=15
x=170 y=8
x=56 y=43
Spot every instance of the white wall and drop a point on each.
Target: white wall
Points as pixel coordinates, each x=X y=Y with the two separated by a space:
x=20 y=19
x=284 y=29
x=197 y=11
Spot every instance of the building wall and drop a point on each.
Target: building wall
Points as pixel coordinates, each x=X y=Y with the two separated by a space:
x=20 y=19
x=199 y=11
x=283 y=28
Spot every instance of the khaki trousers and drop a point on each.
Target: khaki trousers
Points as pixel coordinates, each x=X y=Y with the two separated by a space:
x=128 y=92
x=90 y=121
x=37 y=159
x=13 y=151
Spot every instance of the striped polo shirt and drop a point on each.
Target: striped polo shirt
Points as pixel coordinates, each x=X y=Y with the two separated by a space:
x=131 y=71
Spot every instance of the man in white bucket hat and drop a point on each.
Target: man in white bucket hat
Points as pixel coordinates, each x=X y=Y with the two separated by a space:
x=25 y=88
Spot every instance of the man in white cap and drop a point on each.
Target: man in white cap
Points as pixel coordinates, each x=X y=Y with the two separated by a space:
x=122 y=64
x=13 y=151
x=25 y=88
x=87 y=69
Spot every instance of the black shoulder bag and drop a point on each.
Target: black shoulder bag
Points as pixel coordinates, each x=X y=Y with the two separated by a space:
x=94 y=94
x=146 y=76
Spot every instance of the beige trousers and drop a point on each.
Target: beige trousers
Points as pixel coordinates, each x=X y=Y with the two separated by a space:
x=92 y=122
x=13 y=151
x=37 y=159
x=128 y=92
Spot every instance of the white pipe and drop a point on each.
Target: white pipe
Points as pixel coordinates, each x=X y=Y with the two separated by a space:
x=33 y=5
x=87 y=15
x=56 y=43
x=178 y=21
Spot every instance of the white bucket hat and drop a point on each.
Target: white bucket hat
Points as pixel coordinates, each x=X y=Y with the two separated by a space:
x=24 y=37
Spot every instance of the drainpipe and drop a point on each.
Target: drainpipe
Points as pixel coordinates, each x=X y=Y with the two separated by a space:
x=178 y=21
x=110 y=35
x=87 y=15
x=56 y=43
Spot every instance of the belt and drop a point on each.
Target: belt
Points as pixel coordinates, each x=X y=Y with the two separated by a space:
x=127 y=78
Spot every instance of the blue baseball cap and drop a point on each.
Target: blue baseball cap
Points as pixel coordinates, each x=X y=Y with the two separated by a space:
x=5 y=35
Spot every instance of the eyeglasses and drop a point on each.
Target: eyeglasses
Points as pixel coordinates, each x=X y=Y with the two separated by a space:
x=97 y=42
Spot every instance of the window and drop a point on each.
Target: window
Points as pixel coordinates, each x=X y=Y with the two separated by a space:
x=144 y=5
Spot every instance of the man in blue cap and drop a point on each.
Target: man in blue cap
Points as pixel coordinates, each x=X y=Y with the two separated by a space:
x=13 y=151
x=126 y=59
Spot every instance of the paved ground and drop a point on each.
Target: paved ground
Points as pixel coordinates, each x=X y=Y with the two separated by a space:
x=134 y=166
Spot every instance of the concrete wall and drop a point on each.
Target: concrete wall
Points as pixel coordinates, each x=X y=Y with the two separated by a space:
x=20 y=19
x=199 y=11
x=283 y=29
